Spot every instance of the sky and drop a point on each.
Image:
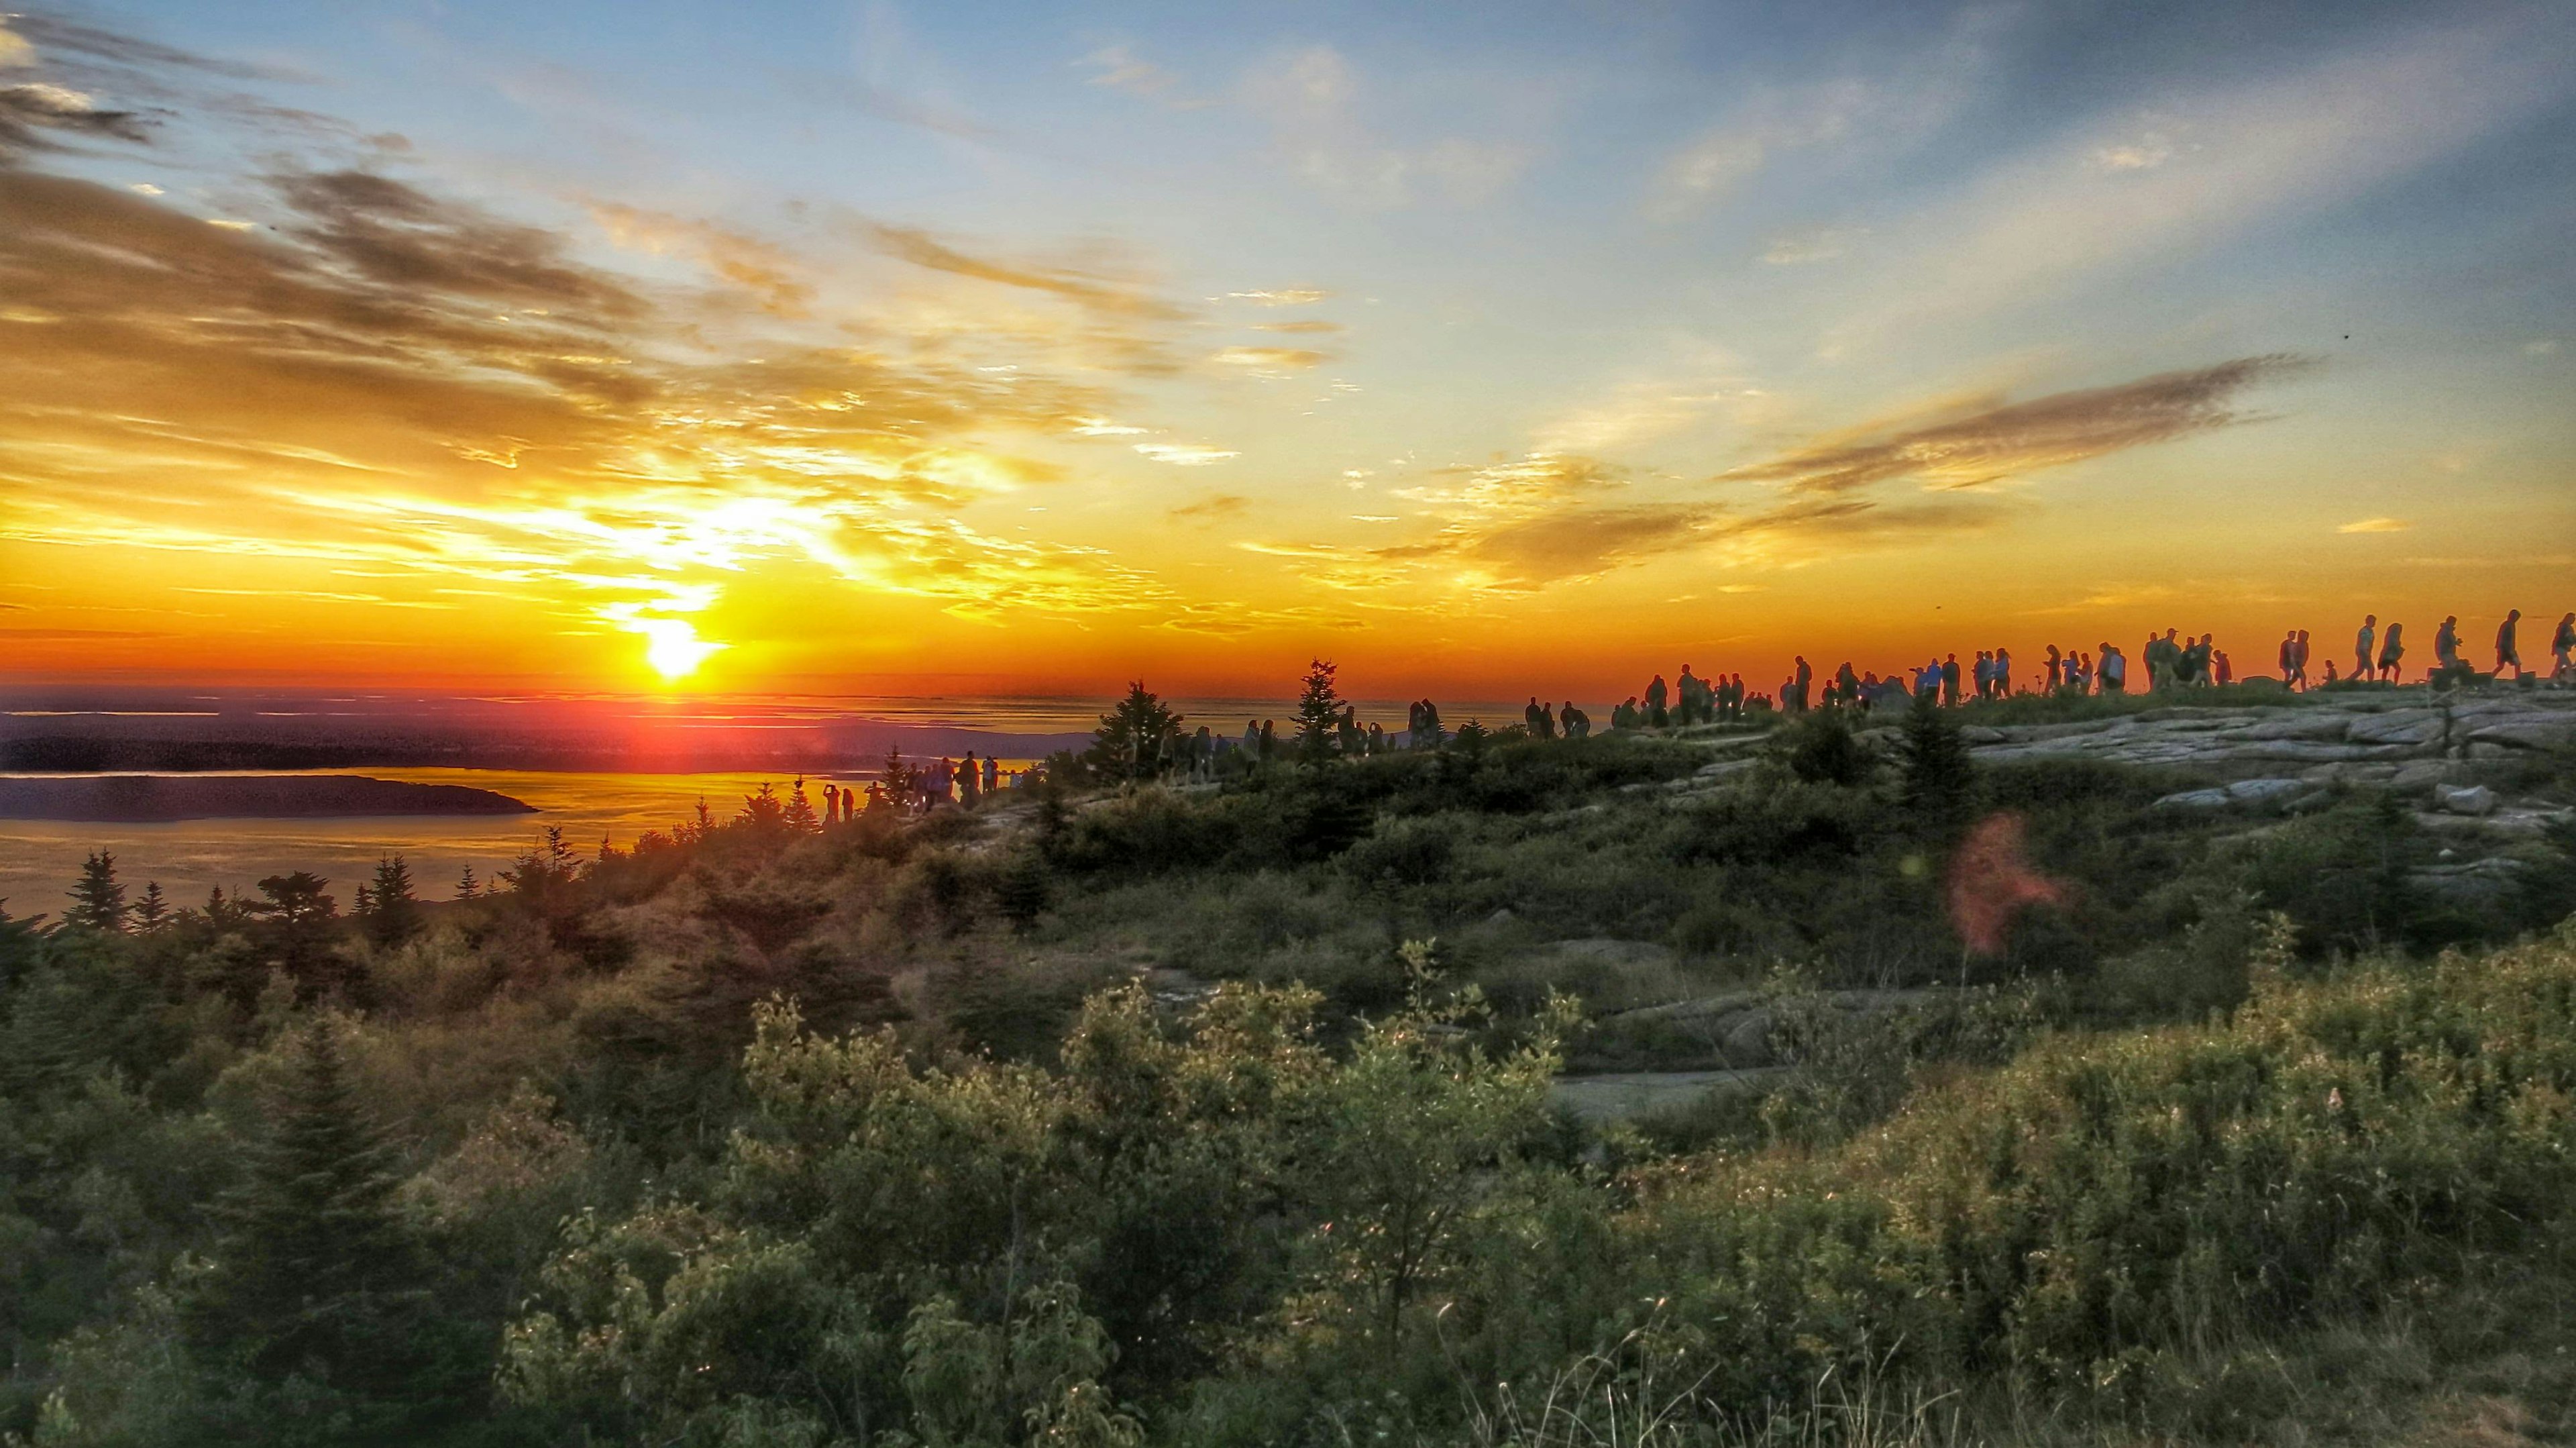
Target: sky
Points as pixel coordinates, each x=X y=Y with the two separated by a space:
x=974 y=349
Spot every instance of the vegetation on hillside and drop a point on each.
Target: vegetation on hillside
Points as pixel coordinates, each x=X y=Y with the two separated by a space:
x=1118 y=1112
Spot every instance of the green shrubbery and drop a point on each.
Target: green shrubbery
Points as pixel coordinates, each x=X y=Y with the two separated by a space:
x=757 y=1135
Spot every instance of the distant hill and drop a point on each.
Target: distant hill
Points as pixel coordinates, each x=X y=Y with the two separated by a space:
x=147 y=799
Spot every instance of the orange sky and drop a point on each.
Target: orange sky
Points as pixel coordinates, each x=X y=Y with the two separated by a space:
x=289 y=397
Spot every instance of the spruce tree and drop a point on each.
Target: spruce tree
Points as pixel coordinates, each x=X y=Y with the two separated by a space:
x=1137 y=739
x=98 y=901
x=1319 y=714
x=392 y=912
x=1939 y=777
x=315 y=1275
x=466 y=885
x=152 y=911
x=799 y=816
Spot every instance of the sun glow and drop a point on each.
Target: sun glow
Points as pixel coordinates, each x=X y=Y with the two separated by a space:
x=673 y=648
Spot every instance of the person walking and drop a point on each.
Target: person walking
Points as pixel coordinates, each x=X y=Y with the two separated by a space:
x=2361 y=643
x=2299 y=659
x=2115 y=670
x=2562 y=644
x=2392 y=653
x=2508 y=653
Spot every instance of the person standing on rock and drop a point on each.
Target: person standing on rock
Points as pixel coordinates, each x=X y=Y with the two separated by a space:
x=1796 y=695
x=2392 y=653
x=2361 y=642
x=2299 y=659
x=2561 y=645
x=2508 y=654
x=2115 y=670
x=2446 y=644
x=1657 y=696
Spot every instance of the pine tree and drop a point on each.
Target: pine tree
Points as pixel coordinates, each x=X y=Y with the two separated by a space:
x=98 y=901
x=1319 y=714
x=315 y=1275
x=391 y=911
x=1135 y=740
x=151 y=912
x=1939 y=776
x=466 y=885
x=799 y=816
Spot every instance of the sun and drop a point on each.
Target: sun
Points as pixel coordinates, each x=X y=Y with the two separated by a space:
x=673 y=648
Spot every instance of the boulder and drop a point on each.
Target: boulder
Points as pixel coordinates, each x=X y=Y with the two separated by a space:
x=2472 y=799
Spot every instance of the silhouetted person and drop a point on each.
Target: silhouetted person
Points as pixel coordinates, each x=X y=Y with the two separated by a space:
x=2299 y=657
x=2446 y=644
x=1847 y=684
x=2330 y=672
x=2392 y=653
x=2115 y=670
x=970 y=780
x=1950 y=680
x=2289 y=665
x=2362 y=665
x=1795 y=696
x=1657 y=716
x=2221 y=672
x=993 y=767
x=1534 y=718
x=2508 y=652
x=2562 y=649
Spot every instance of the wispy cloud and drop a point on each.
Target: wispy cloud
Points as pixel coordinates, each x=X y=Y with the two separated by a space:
x=1118 y=67
x=1311 y=98
x=1213 y=508
x=1183 y=455
x=2376 y=525
x=2090 y=200
x=1992 y=441
x=1269 y=361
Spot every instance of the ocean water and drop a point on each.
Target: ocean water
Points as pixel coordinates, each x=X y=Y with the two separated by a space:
x=39 y=859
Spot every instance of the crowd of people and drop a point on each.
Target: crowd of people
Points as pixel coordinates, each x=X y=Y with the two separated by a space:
x=2171 y=661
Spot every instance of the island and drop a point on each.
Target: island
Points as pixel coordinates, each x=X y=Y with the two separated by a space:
x=160 y=798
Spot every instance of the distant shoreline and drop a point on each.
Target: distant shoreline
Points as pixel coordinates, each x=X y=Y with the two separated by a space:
x=161 y=799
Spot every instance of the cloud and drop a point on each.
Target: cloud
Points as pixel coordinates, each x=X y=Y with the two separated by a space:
x=1280 y=297
x=1994 y=441
x=1213 y=508
x=1106 y=294
x=2376 y=525
x=387 y=380
x=1315 y=326
x=2545 y=347
x=769 y=273
x=1887 y=112
x=1182 y=454
x=1804 y=248
x=1311 y=97
x=2144 y=154
x=1118 y=67
x=32 y=114
x=2286 y=144
x=1269 y=361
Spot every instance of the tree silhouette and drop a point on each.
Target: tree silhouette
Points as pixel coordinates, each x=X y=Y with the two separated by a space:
x=152 y=911
x=1319 y=713
x=98 y=901
x=391 y=912
x=1939 y=777
x=1137 y=739
x=799 y=816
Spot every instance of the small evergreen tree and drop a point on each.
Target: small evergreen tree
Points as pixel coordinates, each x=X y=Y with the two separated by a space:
x=799 y=815
x=1319 y=714
x=391 y=912
x=467 y=887
x=1939 y=778
x=895 y=779
x=314 y=1276
x=98 y=901
x=1136 y=740
x=152 y=911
